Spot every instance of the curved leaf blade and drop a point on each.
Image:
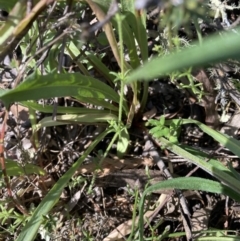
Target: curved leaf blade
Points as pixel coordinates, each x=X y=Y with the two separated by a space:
x=213 y=49
x=63 y=110
x=58 y=85
x=227 y=141
x=76 y=119
x=29 y=232
x=189 y=183
x=215 y=171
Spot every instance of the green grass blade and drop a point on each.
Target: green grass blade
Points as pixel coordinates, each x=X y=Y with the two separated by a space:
x=90 y=118
x=96 y=62
x=210 y=235
x=189 y=183
x=222 y=176
x=218 y=239
x=29 y=232
x=129 y=40
x=227 y=141
x=214 y=162
x=193 y=183
x=64 y=110
x=100 y=66
x=101 y=103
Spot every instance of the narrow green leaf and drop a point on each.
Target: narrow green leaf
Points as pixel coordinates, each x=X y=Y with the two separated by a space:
x=129 y=40
x=214 y=162
x=229 y=180
x=102 y=68
x=90 y=118
x=104 y=4
x=64 y=110
x=188 y=183
x=227 y=141
x=225 y=238
x=101 y=103
x=128 y=6
x=29 y=232
x=210 y=235
x=93 y=59
x=2 y=91
x=48 y=122
x=137 y=22
x=214 y=49
x=193 y=183
x=234 y=172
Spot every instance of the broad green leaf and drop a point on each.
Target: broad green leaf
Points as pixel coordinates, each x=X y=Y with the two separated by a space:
x=14 y=169
x=76 y=119
x=2 y=91
x=214 y=49
x=58 y=85
x=29 y=232
x=188 y=183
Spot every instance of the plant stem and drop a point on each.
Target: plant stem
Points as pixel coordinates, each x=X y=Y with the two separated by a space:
x=33 y=120
x=134 y=214
x=199 y=34
x=109 y=147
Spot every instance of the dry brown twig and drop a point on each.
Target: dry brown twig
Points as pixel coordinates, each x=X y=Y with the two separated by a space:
x=22 y=28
